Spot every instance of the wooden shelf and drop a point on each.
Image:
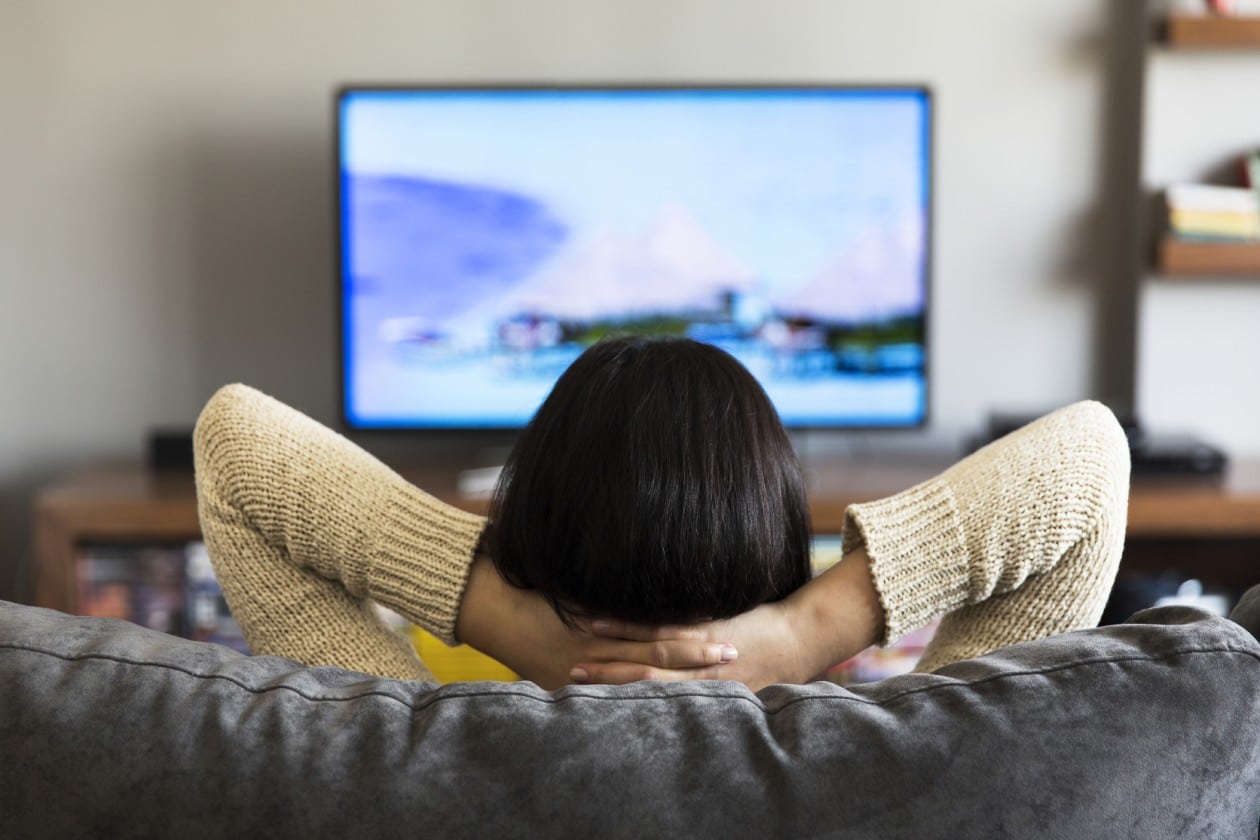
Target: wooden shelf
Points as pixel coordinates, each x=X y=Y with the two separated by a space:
x=122 y=504
x=1185 y=31
x=1188 y=258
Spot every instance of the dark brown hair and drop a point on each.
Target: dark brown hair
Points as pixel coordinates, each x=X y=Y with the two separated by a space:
x=655 y=484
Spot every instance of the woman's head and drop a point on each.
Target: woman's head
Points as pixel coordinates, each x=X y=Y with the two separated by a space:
x=655 y=484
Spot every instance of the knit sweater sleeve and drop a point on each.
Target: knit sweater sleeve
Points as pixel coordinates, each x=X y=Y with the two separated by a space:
x=306 y=530
x=1018 y=541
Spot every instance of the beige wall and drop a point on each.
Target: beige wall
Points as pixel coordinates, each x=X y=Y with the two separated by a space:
x=1199 y=342
x=166 y=200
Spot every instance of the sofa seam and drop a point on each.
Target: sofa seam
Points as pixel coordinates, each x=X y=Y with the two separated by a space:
x=575 y=695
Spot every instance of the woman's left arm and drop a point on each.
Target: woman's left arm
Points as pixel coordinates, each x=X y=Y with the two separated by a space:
x=306 y=529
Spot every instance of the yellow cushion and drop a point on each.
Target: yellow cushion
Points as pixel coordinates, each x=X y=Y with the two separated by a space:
x=457 y=664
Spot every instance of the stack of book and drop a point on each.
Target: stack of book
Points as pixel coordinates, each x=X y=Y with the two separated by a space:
x=168 y=587
x=1205 y=212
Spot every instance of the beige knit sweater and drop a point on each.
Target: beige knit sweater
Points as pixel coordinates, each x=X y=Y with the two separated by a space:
x=1019 y=540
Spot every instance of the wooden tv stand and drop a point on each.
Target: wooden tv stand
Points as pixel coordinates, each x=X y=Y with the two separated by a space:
x=1198 y=527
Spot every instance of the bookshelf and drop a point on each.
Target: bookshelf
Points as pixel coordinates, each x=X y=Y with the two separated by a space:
x=1189 y=31
x=1178 y=259
x=1183 y=258
x=105 y=506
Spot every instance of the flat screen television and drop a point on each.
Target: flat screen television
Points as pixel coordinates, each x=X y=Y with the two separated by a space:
x=487 y=235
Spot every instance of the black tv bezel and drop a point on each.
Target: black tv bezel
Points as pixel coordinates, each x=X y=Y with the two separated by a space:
x=341 y=91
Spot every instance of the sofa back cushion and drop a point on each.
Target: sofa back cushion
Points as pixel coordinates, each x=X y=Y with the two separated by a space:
x=1148 y=729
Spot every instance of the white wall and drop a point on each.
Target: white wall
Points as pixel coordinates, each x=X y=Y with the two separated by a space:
x=167 y=197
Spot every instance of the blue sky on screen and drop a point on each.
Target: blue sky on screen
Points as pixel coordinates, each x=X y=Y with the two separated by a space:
x=836 y=160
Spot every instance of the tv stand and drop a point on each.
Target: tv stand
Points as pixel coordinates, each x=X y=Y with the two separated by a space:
x=1152 y=453
x=1205 y=529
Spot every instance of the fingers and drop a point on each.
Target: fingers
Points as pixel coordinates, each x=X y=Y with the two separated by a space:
x=667 y=654
x=619 y=652
x=621 y=673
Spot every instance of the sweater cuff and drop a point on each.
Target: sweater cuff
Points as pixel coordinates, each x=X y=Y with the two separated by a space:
x=918 y=557
x=422 y=559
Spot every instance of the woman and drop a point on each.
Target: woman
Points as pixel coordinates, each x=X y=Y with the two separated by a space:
x=658 y=455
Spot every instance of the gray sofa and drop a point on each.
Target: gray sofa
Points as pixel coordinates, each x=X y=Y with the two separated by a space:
x=1148 y=729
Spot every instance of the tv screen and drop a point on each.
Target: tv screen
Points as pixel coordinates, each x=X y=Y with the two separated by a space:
x=489 y=235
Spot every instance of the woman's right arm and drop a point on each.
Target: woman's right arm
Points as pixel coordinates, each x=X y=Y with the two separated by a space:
x=1018 y=541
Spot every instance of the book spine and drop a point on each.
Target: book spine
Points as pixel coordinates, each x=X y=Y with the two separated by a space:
x=1209 y=198
x=1198 y=222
